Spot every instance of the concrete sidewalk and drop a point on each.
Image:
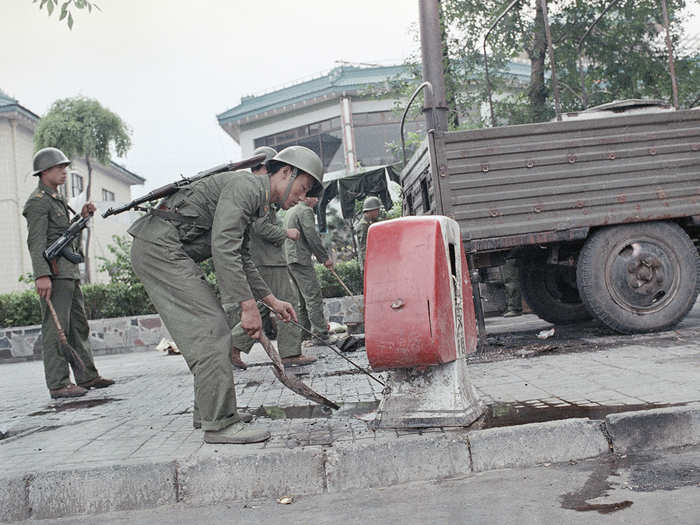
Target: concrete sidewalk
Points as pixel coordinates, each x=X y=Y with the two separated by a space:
x=132 y=445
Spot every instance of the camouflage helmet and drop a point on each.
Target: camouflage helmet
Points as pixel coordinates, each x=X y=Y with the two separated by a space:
x=47 y=158
x=305 y=161
x=267 y=151
x=371 y=203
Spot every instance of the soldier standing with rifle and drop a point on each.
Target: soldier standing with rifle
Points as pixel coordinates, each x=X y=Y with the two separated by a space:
x=58 y=279
x=267 y=237
x=212 y=218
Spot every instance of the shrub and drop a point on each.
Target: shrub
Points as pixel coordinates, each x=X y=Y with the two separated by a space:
x=19 y=309
x=101 y=301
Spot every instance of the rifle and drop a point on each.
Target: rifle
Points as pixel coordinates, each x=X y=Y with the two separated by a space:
x=171 y=188
x=61 y=246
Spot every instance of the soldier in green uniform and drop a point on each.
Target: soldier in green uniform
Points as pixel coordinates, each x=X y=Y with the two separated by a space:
x=212 y=218
x=370 y=215
x=267 y=238
x=511 y=284
x=47 y=215
x=301 y=267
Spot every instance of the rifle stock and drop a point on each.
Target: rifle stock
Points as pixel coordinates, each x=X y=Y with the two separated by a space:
x=171 y=188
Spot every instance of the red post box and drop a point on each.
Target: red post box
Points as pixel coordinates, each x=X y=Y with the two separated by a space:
x=419 y=309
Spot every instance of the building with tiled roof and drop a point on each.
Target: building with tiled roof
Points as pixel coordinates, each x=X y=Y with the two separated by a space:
x=337 y=114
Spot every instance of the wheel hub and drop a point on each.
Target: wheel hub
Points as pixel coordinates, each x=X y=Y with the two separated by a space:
x=640 y=275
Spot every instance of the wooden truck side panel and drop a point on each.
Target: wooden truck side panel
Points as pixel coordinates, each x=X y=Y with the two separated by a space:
x=536 y=183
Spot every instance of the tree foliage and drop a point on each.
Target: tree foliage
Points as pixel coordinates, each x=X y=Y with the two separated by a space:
x=68 y=7
x=81 y=126
x=624 y=56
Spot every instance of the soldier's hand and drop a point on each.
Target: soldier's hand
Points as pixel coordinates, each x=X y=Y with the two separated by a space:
x=328 y=264
x=293 y=234
x=43 y=287
x=250 y=318
x=283 y=309
x=88 y=208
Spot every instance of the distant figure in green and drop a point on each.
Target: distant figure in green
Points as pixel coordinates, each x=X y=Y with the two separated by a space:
x=370 y=215
x=301 y=267
x=511 y=284
x=47 y=215
x=212 y=218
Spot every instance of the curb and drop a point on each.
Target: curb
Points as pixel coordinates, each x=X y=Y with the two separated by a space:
x=232 y=474
x=654 y=429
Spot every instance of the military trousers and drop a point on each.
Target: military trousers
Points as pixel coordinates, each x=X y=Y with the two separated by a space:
x=193 y=315
x=310 y=305
x=67 y=300
x=511 y=284
x=279 y=281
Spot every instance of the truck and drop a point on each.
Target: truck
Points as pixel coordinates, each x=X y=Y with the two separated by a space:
x=601 y=209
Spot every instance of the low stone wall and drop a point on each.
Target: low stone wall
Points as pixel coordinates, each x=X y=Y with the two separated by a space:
x=143 y=332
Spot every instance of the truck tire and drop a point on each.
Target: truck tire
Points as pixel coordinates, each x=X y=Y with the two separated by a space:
x=638 y=278
x=550 y=291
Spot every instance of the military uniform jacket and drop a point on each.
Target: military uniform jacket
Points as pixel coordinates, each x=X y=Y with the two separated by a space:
x=361 y=230
x=267 y=236
x=301 y=217
x=47 y=215
x=217 y=214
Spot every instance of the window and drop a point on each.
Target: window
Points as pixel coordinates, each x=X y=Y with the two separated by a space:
x=107 y=195
x=76 y=184
x=322 y=137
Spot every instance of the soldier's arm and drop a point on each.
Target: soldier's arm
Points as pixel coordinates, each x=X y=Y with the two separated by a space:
x=310 y=233
x=236 y=273
x=37 y=215
x=267 y=228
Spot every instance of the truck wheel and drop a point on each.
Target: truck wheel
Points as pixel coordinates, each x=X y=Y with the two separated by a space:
x=550 y=291
x=639 y=277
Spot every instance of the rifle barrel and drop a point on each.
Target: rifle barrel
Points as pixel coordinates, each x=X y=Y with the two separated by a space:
x=171 y=188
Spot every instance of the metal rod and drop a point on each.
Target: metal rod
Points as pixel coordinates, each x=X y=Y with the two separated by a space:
x=550 y=47
x=669 y=47
x=328 y=345
x=486 y=60
x=584 y=95
x=405 y=112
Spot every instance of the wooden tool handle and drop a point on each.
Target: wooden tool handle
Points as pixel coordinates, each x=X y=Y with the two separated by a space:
x=341 y=281
x=59 y=328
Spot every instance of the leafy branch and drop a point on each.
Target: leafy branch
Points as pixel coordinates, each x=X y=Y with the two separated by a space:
x=67 y=8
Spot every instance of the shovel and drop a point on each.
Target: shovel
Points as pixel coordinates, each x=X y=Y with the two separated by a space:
x=292 y=382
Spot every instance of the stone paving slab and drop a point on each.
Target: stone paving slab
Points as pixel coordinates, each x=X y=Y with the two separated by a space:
x=145 y=419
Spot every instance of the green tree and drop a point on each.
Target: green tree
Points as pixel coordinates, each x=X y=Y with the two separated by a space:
x=67 y=8
x=624 y=56
x=82 y=127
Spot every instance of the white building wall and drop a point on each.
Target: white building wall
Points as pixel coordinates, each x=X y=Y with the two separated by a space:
x=16 y=152
x=17 y=183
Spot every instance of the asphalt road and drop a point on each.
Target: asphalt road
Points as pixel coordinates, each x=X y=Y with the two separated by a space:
x=662 y=487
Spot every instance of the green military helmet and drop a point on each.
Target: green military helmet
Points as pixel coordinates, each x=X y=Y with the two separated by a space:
x=305 y=161
x=267 y=151
x=47 y=158
x=371 y=203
